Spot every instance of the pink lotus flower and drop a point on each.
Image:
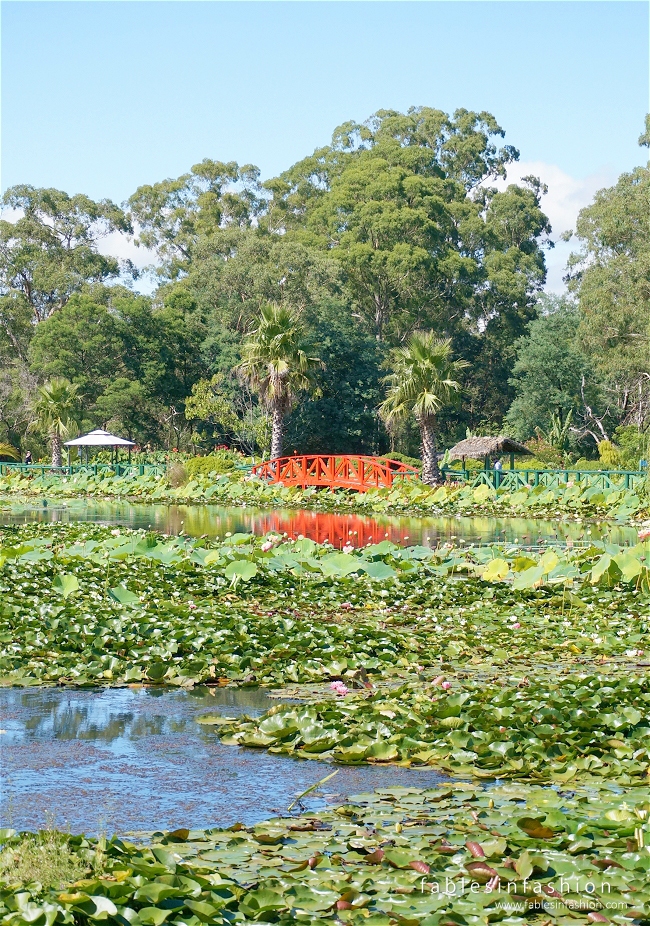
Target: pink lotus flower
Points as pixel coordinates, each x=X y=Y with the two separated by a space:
x=348 y=548
x=339 y=688
x=266 y=546
x=347 y=605
x=445 y=685
x=191 y=605
x=516 y=626
x=644 y=533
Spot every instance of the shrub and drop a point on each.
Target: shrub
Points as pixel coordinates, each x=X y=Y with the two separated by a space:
x=223 y=461
x=546 y=454
x=584 y=464
x=609 y=455
x=633 y=445
x=470 y=465
x=403 y=458
x=44 y=857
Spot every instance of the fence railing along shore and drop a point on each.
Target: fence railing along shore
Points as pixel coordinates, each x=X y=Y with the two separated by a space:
x=514 y=479
x=510 y=479
x=95 y=469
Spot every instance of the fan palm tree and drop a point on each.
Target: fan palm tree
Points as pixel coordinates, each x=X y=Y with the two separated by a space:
x=56 y=412
x=422 y=382
x=277 y=366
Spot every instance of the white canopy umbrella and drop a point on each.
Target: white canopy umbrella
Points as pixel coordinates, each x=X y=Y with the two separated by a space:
x=99 y=438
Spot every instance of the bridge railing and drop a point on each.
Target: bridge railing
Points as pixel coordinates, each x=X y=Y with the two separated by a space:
x=343 y=471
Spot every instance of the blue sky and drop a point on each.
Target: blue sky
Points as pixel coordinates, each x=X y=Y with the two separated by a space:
x=99 y=97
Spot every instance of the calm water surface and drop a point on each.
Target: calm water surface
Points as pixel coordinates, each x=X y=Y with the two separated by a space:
x=135 y=760
x=216 y=520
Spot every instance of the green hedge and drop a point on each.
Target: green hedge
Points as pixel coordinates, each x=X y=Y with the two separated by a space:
x=223 y=461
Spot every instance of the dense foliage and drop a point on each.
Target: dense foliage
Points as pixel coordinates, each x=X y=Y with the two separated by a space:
x=395 y=227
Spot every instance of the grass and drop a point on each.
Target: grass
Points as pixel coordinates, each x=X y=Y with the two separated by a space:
x=45 y=858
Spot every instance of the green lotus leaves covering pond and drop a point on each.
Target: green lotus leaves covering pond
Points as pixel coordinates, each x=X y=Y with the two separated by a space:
x=556 y=727
x=573 y=500
x=494 y=663
x=487 y=661
x=455 y=855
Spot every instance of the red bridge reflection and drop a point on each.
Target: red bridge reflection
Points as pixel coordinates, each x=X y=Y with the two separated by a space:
x=337 y=529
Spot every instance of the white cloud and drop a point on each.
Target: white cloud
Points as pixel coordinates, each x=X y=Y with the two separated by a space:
x=10 y=215
x=565 y=198
x=117 y=244
x=566 y=195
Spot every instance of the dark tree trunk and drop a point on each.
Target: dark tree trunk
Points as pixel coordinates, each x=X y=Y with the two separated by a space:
x=277 y=431
x=430 y=469
x=56 y=449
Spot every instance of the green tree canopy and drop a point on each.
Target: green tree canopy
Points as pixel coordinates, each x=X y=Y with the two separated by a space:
x=102 y=340
x=342 y=417
x=81 y=342
x=611 y=278
x=124 y=407
x=403 y=203
x=552 y=376
x=172 y=215
x=50 y=251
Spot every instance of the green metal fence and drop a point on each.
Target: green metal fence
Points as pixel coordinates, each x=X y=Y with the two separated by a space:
x=94 y=469
x=509 y=479
x=513 y=479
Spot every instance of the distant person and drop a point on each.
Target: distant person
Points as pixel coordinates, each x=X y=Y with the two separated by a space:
x=498 y=465
x=643 y=464
x=28 y=457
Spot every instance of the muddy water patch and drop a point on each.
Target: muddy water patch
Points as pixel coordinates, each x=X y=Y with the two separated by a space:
x=130 y=760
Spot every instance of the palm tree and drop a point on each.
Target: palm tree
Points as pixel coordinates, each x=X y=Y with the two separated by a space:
x=277 y=366
x=422 y=382
x=57 y=412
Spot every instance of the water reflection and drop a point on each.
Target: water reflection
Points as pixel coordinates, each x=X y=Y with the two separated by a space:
x=134 y=759
x=122 y=714
x=215 y=521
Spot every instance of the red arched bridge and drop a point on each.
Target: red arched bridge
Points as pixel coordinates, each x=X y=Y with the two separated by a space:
x=335 y=471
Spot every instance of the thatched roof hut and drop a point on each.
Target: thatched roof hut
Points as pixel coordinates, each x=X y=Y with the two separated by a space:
x=480 y=448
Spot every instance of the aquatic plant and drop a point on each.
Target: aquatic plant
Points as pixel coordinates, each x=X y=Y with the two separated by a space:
x=567 y=501
x=456 y=854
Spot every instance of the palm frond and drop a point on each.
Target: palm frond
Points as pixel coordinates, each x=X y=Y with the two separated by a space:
x=274 y=360
x=56 y=409
x=423 y=378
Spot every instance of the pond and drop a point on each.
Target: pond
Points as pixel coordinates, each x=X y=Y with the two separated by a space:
x=129 y=760
x=215 y=520
x=135 y=760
